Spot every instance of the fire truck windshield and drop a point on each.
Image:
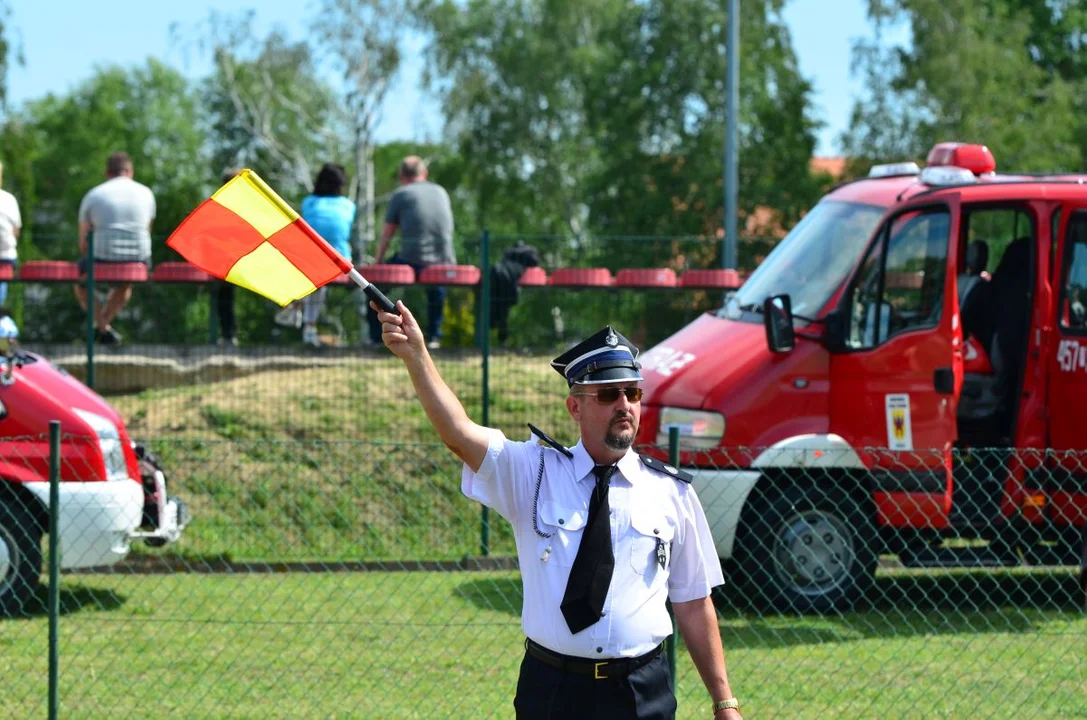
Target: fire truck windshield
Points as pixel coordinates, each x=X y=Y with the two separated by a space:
x=813 y=260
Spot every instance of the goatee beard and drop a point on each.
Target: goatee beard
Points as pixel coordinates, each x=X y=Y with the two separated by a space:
x=620 y=441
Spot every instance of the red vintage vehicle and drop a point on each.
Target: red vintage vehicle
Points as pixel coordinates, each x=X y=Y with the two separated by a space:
x=836 y=407
x=112 y=490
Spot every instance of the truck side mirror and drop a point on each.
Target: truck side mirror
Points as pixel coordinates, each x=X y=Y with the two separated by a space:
x=777 y=318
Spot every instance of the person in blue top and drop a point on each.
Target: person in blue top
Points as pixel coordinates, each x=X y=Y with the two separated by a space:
x=331 y=214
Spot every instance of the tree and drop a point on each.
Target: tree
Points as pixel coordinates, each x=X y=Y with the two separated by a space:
x=265 y=108
x=152 y=113
x=607 y=115
x=1058 y=29
x=361 y=40
x=594 y=121
x=983 y=71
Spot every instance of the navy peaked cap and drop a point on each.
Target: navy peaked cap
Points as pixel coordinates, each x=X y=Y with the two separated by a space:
x=606 y=357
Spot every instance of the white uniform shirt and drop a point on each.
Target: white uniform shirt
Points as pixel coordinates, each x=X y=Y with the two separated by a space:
x=10 y=221
x=645 y=505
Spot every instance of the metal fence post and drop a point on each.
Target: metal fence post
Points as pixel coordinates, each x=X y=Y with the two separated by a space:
x=485 y=330
x=213 y=313
x=54 y=568
x=732 y=103
x=90 y=310
x=673 y=459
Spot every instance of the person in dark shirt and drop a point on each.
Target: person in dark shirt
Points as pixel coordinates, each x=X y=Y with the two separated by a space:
x=421 y=211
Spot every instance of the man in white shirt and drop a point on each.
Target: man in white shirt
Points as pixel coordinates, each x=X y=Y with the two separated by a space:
x=10 y=225
x=604 y=536
x=119 y=212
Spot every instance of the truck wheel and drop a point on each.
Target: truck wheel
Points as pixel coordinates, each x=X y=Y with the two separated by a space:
x=807 y=551
x=20 y=556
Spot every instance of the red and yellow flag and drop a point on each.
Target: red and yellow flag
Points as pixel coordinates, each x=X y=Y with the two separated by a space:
x=247 y=235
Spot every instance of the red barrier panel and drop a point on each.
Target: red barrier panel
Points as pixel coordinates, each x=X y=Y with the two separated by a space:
x=717 y=278
x=49 y=271
x=533 y=276
x=449 y=275
x=123 y=272
x=646 y=278
x=387 y=274
x=581 y=277
x=177 y=272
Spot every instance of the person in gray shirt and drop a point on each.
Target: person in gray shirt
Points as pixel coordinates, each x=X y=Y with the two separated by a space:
x=119 y=212
x=422 y=213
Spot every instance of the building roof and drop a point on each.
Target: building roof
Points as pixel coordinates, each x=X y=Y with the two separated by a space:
x=833 y=166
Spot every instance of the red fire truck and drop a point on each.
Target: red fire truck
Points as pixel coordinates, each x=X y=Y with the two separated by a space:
x=905 y=369
x=112 y=490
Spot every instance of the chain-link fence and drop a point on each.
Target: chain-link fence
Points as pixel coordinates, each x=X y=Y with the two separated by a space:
x=348 y=579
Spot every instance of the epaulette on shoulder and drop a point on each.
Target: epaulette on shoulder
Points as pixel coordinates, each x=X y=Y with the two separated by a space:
x=549 y=440
x=666 y=469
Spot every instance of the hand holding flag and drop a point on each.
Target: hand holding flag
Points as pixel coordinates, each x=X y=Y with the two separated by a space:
x=247 y=235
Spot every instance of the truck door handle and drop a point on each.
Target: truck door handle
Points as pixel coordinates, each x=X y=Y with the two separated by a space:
x=944 y=381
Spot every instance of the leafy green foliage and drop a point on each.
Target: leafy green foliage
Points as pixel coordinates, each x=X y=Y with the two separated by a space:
x=1005 y=73
x=605 y=117
x=150 y=111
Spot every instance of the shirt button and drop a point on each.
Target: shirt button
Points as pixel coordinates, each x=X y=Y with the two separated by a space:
x=600 y=649
x=656 y=531
x=561 y=521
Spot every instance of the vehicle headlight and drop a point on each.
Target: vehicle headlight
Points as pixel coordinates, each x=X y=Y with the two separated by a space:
x=697 y=428
x=109 y=442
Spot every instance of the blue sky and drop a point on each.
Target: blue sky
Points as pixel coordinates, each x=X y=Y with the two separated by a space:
x=63 y=40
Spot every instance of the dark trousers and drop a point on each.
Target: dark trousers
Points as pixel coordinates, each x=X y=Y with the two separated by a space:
x=435 y=306
x=547 y=693
x=228 y=324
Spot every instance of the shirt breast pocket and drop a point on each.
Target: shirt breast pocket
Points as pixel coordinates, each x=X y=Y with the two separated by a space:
x=566 y=526
x=652 y=535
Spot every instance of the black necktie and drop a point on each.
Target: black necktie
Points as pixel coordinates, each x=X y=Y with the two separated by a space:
x=590 y=576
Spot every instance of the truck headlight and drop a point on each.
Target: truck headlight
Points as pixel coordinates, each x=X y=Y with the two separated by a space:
x=697 y=428
x=109 y=442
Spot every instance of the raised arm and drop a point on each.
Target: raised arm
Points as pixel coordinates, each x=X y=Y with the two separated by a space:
x=402 y=334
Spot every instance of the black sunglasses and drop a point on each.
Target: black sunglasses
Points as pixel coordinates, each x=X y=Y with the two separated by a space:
x=608 y=395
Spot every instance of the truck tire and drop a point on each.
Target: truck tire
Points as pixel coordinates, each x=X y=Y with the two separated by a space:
x=20 y=556
x=806 y=550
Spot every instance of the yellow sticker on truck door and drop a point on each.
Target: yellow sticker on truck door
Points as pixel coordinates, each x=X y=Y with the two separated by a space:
x=899 y=432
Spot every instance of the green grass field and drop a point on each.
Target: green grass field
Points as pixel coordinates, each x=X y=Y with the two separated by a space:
x=404 y=645
x=334 y=462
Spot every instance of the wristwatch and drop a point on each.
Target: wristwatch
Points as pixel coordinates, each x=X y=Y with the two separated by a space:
x=730 y=704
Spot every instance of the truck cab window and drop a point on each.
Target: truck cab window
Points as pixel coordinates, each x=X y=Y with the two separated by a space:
x=901 y=281
x=1074 y=284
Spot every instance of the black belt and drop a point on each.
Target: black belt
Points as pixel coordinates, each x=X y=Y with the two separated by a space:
x=601 y=669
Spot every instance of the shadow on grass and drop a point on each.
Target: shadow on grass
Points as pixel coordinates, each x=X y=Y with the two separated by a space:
x=899 y=605
x=73 y=599
x=501 y=594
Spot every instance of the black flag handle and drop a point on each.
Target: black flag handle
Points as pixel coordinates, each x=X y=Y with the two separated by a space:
x=373 y=293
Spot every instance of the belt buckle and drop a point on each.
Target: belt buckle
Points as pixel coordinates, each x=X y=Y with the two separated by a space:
x=596 y=670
